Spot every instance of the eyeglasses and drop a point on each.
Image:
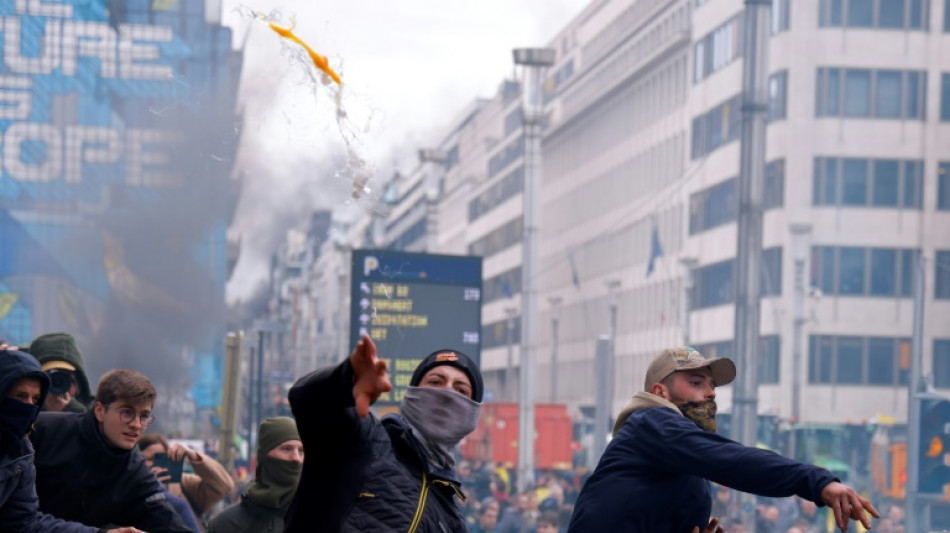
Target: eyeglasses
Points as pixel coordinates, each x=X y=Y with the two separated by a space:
x=60 y=381
x=127 y=415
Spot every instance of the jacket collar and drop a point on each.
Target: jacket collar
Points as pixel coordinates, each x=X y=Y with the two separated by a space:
x=405 y=442
x=639 y=402
x=96 y=443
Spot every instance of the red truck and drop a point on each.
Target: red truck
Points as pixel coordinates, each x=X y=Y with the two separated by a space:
x=496 y=437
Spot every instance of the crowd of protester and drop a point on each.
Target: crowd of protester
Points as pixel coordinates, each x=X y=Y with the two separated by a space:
x=87 y=463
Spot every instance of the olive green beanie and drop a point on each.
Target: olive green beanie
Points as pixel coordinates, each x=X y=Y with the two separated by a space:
x=274 y=432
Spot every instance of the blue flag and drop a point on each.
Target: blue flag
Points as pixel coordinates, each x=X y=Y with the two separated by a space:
x=656 y=250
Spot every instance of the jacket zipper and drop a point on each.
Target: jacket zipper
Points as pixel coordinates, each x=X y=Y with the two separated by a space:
x=423 y=494
x=457 y=491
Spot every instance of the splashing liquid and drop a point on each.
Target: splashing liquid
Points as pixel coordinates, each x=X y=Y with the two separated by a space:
x=358 y=169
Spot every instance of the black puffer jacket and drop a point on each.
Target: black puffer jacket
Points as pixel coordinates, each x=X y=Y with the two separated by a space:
x=79 y=477
x=363 y=474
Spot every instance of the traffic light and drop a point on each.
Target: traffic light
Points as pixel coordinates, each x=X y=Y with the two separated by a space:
x=933 y=472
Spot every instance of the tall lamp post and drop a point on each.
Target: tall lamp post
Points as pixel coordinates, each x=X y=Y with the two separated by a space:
x=689 y=265
x=510 y=313
x=532 y=62
x=800 y=246
x=555 y=302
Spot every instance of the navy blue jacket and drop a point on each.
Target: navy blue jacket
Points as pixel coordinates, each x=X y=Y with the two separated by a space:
x=653 y=476
x=363 y=474
x=19 y=505
x=79 y=477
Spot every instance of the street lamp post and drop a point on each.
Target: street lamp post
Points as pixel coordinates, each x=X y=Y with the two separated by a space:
x=689 y=265
x=555 y=302
x=532 y=63
x=510 y=313
x=800 y=245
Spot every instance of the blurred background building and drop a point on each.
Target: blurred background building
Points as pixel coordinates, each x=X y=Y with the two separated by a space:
x=119 y=135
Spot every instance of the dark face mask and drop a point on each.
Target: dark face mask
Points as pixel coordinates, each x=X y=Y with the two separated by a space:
x=16 y=417
x=702 y=413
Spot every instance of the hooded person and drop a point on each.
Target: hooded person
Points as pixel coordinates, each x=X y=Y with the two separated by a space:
x=23 y=387
x=266 y=499
x=655 y=473
x=391 y=474
x=69 y=385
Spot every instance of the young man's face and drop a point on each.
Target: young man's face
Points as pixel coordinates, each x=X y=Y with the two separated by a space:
x=691 y=386
x=122 y=423
x=447 y=377
x=26 y=390
x=289 y=450
x=546 y=527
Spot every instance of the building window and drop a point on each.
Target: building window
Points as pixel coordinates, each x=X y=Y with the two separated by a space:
x=942 y=362
x=884 y=14
x=504 y=285
x=496 y=334
x=504 y=157
x=718 y=48
x=942 y=275
x=845 y=360
x=857 y=271
x=778 y=99
x=713 y=284
x=946 y=16
x=513 y=121
x=451 y=157
x=943 y=185
x=945 y=96
x=853 y=182
x=719 y=126
x=863 y=93
x=780 y=16
x=769 y=363
x=409 y=237
x=499 y=192
x=857 y=93
x=716 y=205
x=497 y=240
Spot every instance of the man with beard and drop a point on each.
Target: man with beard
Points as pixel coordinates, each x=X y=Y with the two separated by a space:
x=394 y=474
x=653 y=475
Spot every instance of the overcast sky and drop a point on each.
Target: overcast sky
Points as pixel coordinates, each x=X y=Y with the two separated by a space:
x=408 y=67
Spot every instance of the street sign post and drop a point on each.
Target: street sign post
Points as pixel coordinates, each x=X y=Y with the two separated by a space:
x=413 y=304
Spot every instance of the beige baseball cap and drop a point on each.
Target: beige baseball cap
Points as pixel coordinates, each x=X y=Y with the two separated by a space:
x=685 y=358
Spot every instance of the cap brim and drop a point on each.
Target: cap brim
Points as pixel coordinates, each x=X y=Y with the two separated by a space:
x=723 y=371
x=53 y=365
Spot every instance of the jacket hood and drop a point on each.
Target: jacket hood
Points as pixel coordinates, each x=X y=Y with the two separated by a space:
x=16 y=365
x=61 y=347
x=639 y=402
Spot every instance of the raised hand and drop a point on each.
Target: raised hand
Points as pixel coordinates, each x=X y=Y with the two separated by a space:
x=847 y=505
x=176 y=452
x=370 y=380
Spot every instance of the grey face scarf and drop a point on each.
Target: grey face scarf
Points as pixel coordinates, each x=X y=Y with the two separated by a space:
x=439 y=418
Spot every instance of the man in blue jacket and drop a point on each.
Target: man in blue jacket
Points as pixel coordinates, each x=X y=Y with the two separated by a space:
x=23 y=387
x=654 y=474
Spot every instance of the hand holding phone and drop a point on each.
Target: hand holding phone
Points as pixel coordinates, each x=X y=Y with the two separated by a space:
x=172 y=469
